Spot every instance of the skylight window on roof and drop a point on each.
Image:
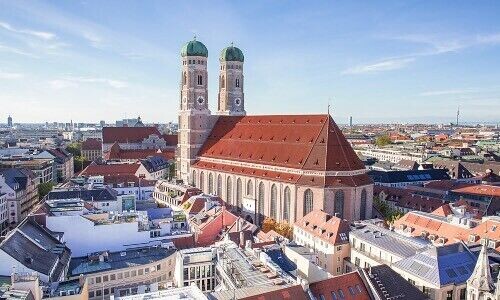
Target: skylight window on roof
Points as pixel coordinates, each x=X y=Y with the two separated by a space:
x=351 y=290
x=462 y=270
x=334 y=296
x=341 y=294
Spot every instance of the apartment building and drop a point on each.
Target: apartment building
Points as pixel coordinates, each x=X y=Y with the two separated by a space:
x=123 y=273
x=196 y=266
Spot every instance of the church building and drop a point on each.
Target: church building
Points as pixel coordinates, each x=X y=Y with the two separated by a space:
x=277 y=166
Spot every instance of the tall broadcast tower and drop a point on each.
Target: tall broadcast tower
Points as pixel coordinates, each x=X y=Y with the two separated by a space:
x=458 y=114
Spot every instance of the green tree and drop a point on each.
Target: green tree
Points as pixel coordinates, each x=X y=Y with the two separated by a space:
x=78 y=163
x=44 y=189
x=382 y=140
x=75 y=148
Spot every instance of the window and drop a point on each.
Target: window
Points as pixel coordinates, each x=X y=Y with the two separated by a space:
x=286 y=204
x=184 y=78
x=229 y=191
x=91 y=294
x=222 y=82
x=411 y=281
x=462 y=293
x=98 y=293
x=98 y=280
x=237 y=83
x=260 y=211
x=426 y=290
x=338 y=209
x=274 y=195
x=238 y=194
x=341 y=294
x=112 y=277
x=219 y=185
x=210 y=183
x=202 y=181
x=140 y=272
x=308 y=201
x=362 y=205
x=105 y=278
x=200 y=80
x=357 y=262
x=449 y=295
x=249 y=188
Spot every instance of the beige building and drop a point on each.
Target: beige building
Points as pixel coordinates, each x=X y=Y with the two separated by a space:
x=92 y=149
x=125 y=273
x=326 y=237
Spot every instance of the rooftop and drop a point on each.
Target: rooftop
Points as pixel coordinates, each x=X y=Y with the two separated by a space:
x=106 y=261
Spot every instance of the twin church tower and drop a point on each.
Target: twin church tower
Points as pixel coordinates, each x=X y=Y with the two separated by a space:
x=195 y=118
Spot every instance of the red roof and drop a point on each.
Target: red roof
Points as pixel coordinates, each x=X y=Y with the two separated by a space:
x=350 y=285
x=92 y=144
x=133 y=135
x=309 y=142
x=481 y=190
x=111 y=169
x=294 y=292
x=312 y=142
x=331 y=229
x=116 y=153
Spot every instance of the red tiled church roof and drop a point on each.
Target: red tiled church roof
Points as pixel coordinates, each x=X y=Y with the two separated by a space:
x=308 y=142
x=312 y=142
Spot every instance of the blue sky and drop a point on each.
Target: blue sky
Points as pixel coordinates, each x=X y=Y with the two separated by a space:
x=379 y=61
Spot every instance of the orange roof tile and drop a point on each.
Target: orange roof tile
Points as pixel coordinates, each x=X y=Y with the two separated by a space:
x=329 y=228
x=340 y=284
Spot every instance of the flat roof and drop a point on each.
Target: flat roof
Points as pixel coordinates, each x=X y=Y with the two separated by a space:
x=118 y=260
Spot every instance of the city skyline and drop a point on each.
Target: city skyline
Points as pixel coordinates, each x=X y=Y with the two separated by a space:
x=88 y=62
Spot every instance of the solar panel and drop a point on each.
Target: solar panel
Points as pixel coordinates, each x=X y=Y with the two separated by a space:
x=451 y=273
x=462 y=270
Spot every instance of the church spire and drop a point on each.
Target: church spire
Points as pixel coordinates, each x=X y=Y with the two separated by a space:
x=481 y=279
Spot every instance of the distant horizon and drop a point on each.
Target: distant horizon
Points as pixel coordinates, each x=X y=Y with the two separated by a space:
x=380 y=62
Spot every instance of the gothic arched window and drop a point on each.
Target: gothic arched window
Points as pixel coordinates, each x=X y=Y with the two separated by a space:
x=202 y=181
x=249 y=188
x=211 y=184
x=238 y=194
x=286 y=204
x=308 y=201
x=200 y=80
x=219 y=185
x=237 y=83
x=339 y=204
x=222 y=82
x=184 y=78
x=260 y=205
x=274 y=196
x=362 y=205
x=229 y=191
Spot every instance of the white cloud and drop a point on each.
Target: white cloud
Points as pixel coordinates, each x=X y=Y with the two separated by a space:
x=39 y=34
x=446 y=92
x=384 y=65
x=69 y=82
x=15 y=51
x=8 y=75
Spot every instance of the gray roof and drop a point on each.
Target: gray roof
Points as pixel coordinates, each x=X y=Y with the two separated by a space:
x=17 y=178
x=118 y=260
x=100 y=194
x=388 y=240
x=33 y=246
x=443 y=265
x=388 y=284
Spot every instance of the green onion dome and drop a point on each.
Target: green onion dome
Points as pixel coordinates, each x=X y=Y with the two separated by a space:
x=232 y=53
x=194 y=48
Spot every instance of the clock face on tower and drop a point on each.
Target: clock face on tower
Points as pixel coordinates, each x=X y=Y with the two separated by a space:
x=237 y=101
x=200 y=100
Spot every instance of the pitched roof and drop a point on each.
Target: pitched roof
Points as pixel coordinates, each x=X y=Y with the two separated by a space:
x=345 y=286
x=117 y=153
x=110 y=169
x=388 y=284
x=312 y=142
x=92 y=144
x=101 y=194
x=33 y=246
x=440 y=266
x=480 y=190
x=17 y=178
x=127 y=134
x=408 y=176
x=329 y=228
